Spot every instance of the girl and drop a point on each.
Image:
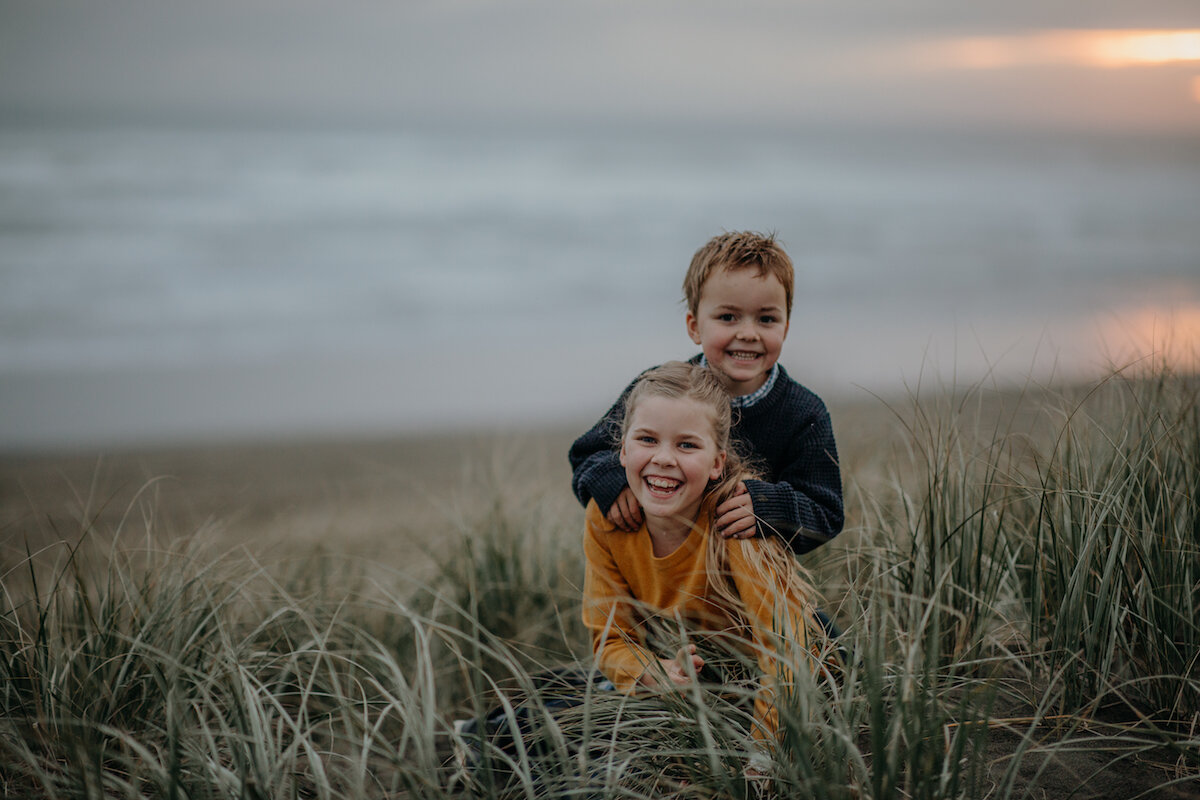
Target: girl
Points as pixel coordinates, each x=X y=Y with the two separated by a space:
x=676 y=455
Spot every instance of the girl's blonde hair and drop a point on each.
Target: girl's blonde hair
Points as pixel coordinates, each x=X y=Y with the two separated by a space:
x=686 y=381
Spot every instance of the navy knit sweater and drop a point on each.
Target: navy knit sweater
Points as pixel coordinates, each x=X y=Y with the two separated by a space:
x=787 y=435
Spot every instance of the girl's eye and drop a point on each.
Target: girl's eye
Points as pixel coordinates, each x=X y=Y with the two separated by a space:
x=688 y=445
x=646 y=439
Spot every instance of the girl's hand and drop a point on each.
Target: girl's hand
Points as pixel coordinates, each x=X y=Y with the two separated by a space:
x=626 y=512
x=735 y=517
x=680 y=670
x=759 y=767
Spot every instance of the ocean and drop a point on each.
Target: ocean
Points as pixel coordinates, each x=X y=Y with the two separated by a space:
x=185 y=285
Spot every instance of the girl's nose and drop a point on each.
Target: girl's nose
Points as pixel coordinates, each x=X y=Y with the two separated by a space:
x=663 y=456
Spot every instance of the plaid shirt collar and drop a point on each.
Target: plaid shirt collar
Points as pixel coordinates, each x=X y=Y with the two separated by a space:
x=747 y=400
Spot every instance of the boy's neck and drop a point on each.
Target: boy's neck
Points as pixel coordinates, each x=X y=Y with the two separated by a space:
x=744 y=396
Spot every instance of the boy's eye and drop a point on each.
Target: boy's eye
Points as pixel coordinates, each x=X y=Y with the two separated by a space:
x=767 y=319
x=726 y=317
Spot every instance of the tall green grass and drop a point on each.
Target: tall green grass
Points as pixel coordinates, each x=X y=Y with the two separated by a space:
x=947 y=535
x=1113 y=548
x=1012 y=597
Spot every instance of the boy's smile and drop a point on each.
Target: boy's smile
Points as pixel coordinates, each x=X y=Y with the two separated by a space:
x=740 y=324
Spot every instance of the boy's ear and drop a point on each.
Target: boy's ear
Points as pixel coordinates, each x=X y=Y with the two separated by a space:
x=693 y=329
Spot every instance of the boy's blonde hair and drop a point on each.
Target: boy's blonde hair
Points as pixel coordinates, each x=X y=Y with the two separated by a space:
x=739 y=250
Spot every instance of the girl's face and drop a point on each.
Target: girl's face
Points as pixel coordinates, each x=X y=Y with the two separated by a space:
x=670 y=454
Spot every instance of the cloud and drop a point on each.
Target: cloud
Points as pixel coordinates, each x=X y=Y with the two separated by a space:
x=699 y=61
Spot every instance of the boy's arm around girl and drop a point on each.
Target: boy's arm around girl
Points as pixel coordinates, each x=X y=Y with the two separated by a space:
x=788 y=436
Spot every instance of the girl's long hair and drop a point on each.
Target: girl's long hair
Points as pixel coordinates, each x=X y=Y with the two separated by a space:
x=770 y=558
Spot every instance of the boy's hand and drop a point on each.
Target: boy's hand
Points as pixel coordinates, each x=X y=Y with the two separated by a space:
x=681 y=669
x=735 y=517
x=626 y=512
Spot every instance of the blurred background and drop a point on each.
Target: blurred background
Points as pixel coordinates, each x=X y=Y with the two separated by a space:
x=264 y=219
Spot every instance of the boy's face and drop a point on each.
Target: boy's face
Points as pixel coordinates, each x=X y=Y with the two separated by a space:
x=740 y=324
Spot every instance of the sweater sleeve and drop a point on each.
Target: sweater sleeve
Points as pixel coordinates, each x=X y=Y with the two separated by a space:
x=596 y=471
x=608 y=608
x=804 y=505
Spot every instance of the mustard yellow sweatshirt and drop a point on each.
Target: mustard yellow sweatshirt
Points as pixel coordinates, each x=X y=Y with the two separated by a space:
x=625 y=581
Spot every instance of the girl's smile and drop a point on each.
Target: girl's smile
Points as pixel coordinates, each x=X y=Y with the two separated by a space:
x=670 y=454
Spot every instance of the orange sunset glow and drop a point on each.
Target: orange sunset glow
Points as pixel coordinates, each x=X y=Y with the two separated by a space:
x=1165 y=337
x=1110 y=49
x=1131 y=48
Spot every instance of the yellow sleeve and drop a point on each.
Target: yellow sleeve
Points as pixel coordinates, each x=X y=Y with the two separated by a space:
x=777 y=621
x=608 y=607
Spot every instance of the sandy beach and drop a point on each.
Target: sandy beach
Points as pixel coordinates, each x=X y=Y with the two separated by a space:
x=367 y=498
x=360 y=497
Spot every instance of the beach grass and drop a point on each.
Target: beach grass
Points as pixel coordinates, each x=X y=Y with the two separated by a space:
x=1019 y=586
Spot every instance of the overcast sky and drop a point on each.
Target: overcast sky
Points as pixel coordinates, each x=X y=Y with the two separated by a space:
x=1010 y=63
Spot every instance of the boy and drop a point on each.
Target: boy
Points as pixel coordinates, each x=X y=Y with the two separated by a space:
x=739 y=294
